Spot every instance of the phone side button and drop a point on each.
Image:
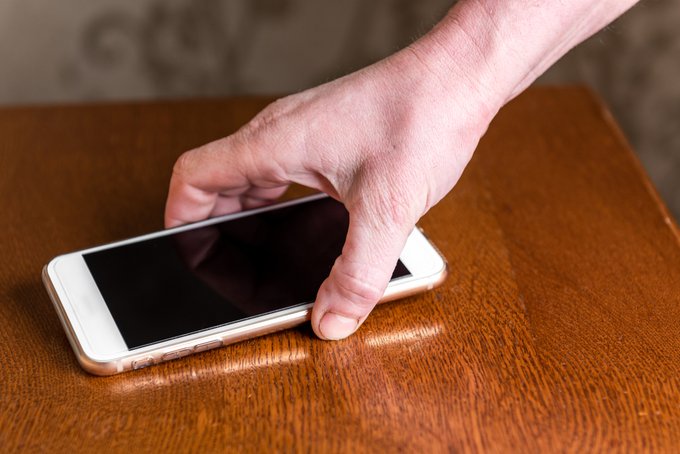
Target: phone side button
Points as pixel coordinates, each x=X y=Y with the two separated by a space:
x=144 y=362
x=207 y=346
x=176 y=354
x=169 y=356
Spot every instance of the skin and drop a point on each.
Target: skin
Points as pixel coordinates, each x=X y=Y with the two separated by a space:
x=389 y=141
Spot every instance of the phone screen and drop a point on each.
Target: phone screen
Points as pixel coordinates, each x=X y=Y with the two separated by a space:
x=199 y=279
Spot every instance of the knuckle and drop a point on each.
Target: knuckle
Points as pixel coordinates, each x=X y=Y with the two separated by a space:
x=254 y=154
x=396 y=208
x=399 y=204
x=393 y=210
x=356 y=288
x=263 y=142
x=184 y=164
x=264 y=120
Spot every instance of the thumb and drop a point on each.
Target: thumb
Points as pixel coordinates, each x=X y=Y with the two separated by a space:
x=360 y=275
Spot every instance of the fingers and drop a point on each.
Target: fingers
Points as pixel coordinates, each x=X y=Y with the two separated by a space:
x=223 y=177
x=360 y=275
x=256 y=197
x=251 y=198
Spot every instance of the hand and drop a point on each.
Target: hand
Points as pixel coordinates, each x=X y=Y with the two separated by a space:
x=386 y=141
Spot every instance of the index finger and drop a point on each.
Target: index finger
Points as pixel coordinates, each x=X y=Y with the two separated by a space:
x=221 y=177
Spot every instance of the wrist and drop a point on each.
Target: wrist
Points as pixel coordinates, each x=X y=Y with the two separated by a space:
x=458 y=57
x=494 y=50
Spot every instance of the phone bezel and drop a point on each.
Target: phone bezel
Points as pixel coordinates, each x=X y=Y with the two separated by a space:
x=95 y=337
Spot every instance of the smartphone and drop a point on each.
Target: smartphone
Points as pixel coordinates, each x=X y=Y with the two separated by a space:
x=170 y=294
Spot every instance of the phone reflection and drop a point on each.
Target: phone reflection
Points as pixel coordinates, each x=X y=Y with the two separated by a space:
x=269 y=261
x=404 y=336
x=294 y=351
x=192 y=371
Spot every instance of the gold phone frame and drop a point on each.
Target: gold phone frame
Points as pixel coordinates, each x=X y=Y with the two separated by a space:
x=225 y=335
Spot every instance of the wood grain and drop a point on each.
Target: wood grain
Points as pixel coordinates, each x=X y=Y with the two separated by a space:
x=557 y=329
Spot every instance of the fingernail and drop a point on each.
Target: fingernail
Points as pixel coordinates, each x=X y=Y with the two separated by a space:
x=335 y=327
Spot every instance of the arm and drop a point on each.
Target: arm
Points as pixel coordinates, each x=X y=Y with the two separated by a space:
x=389 y=141
x=508 y=44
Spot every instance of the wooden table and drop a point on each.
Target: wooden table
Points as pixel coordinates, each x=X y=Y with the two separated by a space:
x=558 y=328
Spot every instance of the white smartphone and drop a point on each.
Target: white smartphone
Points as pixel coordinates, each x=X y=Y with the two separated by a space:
x=170 y=294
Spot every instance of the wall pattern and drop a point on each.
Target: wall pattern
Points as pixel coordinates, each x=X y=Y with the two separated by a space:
x=77 y=50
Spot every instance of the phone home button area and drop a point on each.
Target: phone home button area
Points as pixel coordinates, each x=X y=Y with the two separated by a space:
x=144 y=362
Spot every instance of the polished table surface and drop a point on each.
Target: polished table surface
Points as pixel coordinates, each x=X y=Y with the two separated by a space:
x=557 y=329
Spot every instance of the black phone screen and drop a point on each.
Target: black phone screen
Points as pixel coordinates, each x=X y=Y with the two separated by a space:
x=214 y=275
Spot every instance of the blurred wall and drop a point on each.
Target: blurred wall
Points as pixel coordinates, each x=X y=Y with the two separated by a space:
x=79 y=50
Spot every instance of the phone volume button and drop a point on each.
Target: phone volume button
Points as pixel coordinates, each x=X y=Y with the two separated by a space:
x=176 y=354
x=169 y=356
x=207 y=346
x=140 y=363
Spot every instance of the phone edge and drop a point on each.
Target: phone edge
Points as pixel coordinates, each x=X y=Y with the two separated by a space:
x=266 y=325
x=101 y=368
x=227 y=337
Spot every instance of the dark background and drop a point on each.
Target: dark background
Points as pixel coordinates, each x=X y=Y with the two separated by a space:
x=78 y=50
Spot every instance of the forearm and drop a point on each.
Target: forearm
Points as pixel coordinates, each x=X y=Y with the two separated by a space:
x=499 y=47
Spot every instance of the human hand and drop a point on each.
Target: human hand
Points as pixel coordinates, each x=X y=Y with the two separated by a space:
x=388 y=141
